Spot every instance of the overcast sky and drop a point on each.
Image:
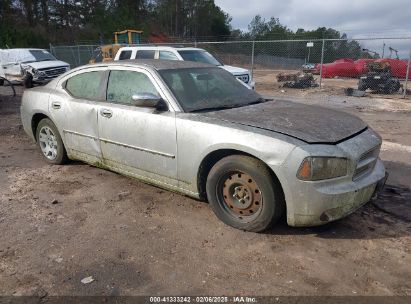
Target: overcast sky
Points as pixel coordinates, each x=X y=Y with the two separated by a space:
x=356 y=18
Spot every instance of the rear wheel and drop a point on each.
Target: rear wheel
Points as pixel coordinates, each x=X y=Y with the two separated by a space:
x=50 y=143
x=392 y=87
x=243 y=193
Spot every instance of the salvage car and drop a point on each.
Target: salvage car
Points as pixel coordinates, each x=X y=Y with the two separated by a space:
x=194 y=129
x=30 y=66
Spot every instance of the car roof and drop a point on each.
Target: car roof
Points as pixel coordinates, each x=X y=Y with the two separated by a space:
x=156 y=64
x=160 y=47
x=22 y=49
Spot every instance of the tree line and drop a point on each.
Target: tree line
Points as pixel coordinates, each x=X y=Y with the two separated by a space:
x=272 y=29
x=36 y=23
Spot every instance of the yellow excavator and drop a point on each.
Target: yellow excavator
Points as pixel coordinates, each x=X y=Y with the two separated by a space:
x=108 y=52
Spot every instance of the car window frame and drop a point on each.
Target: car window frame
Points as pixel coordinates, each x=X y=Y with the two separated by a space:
x=161 y=86
x=156 y=80
x=103 y=83
x=108 y=81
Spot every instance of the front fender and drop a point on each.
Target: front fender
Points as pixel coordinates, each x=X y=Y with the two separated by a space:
x=197 y=139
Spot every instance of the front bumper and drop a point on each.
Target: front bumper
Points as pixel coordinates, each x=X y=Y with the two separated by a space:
x=312 y=203
x=328 y=203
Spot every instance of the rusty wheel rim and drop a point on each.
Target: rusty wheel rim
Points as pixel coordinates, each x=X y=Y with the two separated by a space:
x=241 y=197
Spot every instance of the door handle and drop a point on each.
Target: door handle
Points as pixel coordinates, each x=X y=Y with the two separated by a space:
x=56 y=105
x=106 y=113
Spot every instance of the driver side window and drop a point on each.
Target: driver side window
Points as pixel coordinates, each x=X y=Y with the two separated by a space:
x=122 y=85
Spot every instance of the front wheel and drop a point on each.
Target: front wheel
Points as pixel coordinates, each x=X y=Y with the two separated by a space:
x=28 y=81
x=50 y=143
x=243 y=193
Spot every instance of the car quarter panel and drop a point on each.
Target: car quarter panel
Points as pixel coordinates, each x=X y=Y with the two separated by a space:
x=34 y=101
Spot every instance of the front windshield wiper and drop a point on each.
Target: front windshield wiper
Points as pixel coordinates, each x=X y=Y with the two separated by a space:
x=230 y=106
x=216 y=108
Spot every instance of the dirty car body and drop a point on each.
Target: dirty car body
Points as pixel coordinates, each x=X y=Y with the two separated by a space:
x=325 y=162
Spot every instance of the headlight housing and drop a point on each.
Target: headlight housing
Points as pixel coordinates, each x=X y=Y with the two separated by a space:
x=315 y=168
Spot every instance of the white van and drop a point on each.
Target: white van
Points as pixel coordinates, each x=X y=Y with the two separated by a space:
x=30 y=66
x=182 y=53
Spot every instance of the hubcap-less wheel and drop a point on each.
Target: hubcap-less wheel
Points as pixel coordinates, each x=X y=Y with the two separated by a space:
x=240 y=196
x=48 y=143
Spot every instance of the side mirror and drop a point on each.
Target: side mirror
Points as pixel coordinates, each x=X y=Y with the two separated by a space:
x=145 y=100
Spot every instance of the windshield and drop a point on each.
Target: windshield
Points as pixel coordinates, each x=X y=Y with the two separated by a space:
x=208 y=89
x=41 y=55
x=199 y=55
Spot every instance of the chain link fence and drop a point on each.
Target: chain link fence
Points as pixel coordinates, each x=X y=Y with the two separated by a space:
x=333 y=62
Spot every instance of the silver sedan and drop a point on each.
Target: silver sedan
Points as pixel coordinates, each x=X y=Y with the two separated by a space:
x=195 y=129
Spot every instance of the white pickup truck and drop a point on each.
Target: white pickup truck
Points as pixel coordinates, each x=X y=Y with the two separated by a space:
x=30 y=66
x=182 y=53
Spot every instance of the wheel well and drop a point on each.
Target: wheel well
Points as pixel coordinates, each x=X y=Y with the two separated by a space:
x=35 y=121
x=211 y=159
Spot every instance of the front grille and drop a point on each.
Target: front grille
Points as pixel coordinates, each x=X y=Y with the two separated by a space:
x=366 y=163
x=54 y=72
x=244 y=78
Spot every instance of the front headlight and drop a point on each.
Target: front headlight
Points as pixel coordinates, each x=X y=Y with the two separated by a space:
x=315 y=168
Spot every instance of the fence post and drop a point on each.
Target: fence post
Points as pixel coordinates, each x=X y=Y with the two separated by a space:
x=78 y=54
x=407 y=75
x=51 y=48
x=322 y=62
x=252 y=60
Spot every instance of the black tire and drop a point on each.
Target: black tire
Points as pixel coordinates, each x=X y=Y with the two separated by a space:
x=1 y=81
x=392 y=87
x=241 y=173
x=362 y=86
x=61 y=154
x=28 y=81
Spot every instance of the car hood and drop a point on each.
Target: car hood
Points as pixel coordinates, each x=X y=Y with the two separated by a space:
x=234 y=70
x=46 y=64
x=312 y=124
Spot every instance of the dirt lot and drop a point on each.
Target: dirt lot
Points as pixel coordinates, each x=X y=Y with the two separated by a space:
x=60 y=224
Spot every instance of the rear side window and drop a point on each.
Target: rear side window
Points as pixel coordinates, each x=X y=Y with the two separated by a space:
x=167 y=55
x=145 y=54
x=124 y=55
x=122 y=85
x=85 y=85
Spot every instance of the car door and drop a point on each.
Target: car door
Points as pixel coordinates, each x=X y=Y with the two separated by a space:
x=139 y=141
x=75 y=109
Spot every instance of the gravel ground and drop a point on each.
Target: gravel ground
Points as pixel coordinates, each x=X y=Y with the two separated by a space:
x=61 y=224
